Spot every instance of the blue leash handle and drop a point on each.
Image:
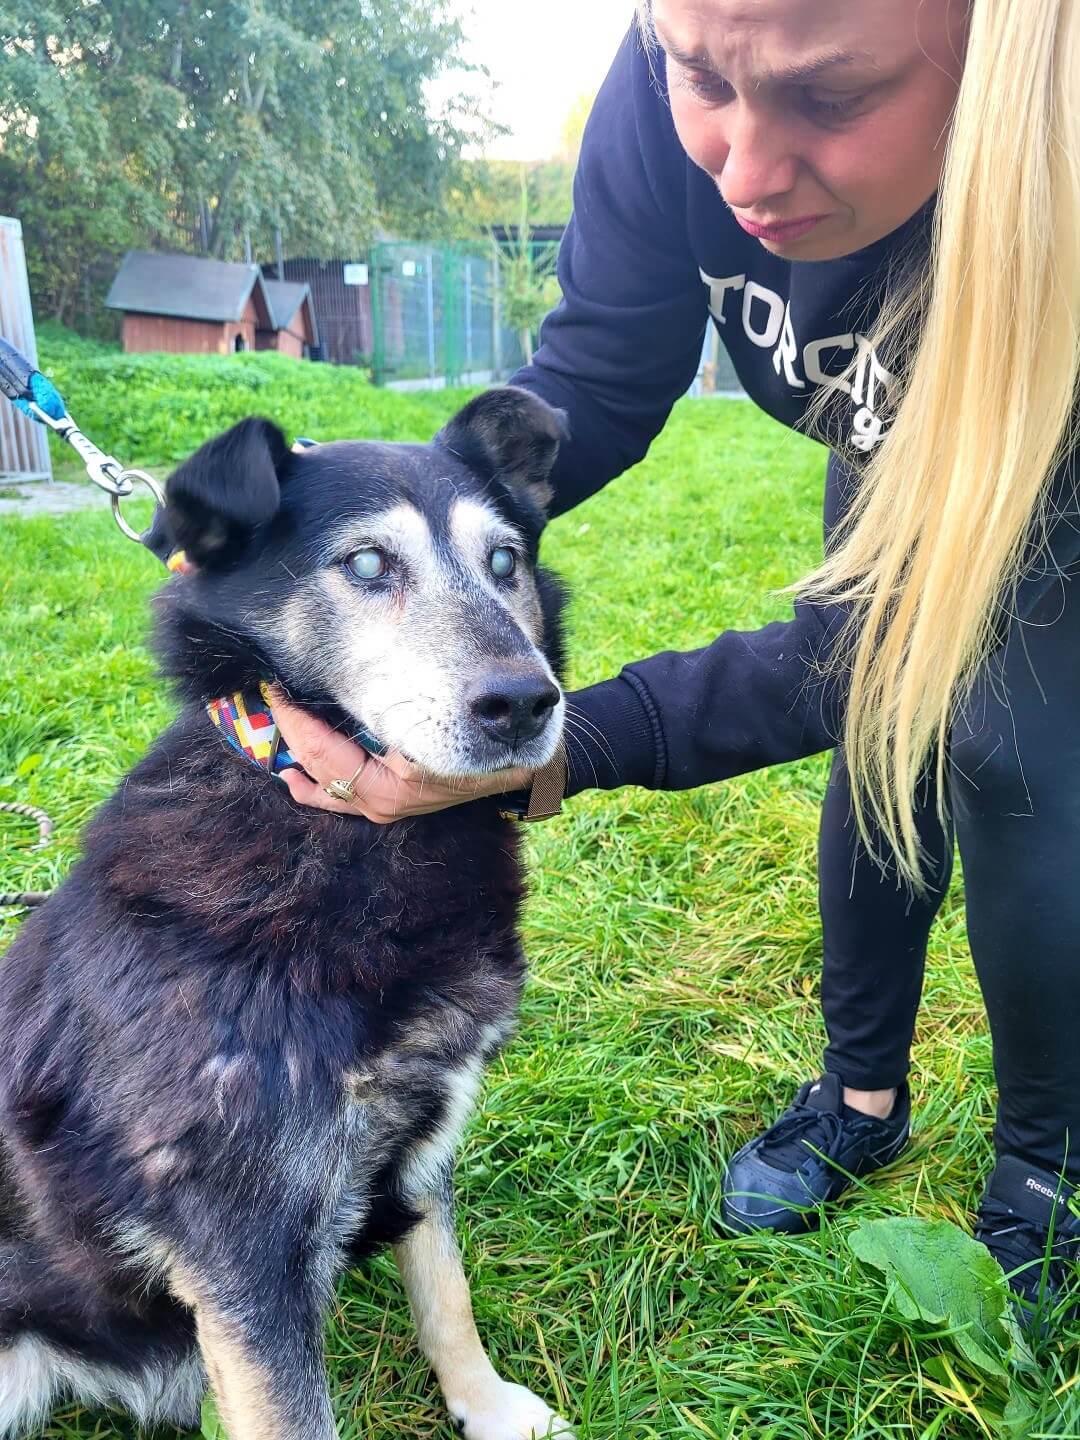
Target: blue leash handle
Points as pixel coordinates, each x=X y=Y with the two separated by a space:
x=26 y=387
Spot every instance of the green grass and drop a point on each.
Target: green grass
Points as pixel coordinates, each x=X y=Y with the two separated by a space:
x=160 y=407
x=673 y=1004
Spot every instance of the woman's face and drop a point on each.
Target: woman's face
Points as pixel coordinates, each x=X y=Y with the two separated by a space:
x=823 y=122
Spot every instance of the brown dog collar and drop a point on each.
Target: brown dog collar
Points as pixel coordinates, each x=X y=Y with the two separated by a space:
x=547 y=792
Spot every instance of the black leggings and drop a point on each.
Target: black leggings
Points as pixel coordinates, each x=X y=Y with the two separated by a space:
x=1014 y=799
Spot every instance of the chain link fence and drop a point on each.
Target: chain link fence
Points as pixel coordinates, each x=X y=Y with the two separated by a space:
x=439 y=314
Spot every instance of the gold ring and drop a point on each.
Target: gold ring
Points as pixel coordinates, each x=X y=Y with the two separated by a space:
x=340 y=790
x=343 y=789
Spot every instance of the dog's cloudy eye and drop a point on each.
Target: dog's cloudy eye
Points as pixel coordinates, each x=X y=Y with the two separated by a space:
x=367 y=564
x=502 y=562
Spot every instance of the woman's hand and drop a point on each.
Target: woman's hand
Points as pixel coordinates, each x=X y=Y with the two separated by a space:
x=387 y=788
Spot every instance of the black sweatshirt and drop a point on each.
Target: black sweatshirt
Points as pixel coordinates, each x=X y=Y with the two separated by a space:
x=650 y=253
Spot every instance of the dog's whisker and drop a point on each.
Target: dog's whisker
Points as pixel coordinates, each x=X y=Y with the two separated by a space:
x=587 y=725
x=394 y=704
x=571 y=739
x=574 y=726
x=373 y=769
x=585 y=747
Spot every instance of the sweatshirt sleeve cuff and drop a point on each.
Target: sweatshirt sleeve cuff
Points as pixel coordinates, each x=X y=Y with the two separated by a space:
x=613 y=737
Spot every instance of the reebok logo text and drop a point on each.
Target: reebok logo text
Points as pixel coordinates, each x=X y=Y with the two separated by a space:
x=1032 y=1184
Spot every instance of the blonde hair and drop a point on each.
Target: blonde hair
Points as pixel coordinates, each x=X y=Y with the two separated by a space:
x=931 y=551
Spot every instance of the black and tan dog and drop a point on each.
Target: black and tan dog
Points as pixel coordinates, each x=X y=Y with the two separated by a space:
x=238 y=1047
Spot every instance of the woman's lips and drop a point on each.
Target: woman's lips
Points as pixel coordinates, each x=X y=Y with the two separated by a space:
x=779 y=229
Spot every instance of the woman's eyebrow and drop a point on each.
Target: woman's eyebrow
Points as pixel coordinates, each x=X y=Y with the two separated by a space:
x=811 y=68
x=797 y=73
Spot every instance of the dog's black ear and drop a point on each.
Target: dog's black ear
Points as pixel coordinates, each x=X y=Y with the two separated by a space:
x=510 y=434
x=229 y=486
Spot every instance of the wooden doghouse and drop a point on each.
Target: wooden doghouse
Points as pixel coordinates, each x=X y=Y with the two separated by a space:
x=294 y=331
x=190 y=305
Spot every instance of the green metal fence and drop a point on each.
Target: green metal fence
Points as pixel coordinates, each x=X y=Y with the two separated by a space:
x=439 y=317
x=438 y=314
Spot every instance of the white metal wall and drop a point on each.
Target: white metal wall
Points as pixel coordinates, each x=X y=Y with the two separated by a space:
x=24 y=445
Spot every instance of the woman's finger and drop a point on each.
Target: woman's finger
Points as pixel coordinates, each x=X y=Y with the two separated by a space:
x=324 y=753
x=381 y=796
x=495 y=782
x=306 y=791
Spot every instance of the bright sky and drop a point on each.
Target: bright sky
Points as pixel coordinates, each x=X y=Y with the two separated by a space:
x=542 y=57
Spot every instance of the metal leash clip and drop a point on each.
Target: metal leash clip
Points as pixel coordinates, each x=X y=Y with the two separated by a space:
x=32 y=393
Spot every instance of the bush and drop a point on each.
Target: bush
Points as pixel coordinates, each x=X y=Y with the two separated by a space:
x=156 y=408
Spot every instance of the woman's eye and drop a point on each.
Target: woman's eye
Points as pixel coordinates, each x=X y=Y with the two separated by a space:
x=367 y=564
x=713 y=88
x=502 y=562
x=834 y=107
x=706 y=88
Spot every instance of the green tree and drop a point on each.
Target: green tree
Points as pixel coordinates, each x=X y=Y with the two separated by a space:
x=529 y=286
x=205 y=127
x=573 y=129
x=488 y=192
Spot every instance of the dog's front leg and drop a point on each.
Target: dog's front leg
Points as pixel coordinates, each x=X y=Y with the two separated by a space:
x=481 y=1404
x=262 y=1344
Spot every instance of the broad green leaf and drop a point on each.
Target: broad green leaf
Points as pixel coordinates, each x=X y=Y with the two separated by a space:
x=940 y=1275
x=1019 y=1413
x=212 y=1428
x=28 y=765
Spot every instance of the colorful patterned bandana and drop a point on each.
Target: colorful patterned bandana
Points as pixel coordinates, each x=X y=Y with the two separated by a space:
x=247 y=722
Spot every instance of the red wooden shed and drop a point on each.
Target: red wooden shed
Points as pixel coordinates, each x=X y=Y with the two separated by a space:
x=187 y=304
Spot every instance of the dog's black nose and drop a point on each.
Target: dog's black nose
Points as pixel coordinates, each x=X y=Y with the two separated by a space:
x=513 y=707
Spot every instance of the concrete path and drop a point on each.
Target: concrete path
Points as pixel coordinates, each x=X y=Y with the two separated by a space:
x=44 y=497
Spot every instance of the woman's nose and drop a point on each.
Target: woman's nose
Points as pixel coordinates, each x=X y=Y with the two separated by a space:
x=755 y=162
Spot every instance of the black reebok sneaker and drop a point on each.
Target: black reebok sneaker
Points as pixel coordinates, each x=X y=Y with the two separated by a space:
x=1018 y=1210
x=777 y=1180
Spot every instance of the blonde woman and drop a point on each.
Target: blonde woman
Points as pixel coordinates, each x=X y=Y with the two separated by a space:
x=879 y=206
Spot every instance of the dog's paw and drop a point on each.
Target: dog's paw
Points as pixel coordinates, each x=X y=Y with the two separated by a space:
x=508 y=1412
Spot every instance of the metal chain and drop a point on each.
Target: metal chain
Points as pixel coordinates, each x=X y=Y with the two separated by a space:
x=28 y=898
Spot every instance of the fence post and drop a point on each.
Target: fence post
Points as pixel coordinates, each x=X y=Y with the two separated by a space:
x=452 y=328
x=430 y=265
x=468 y=322
x=378 y=334
x=496 y=310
